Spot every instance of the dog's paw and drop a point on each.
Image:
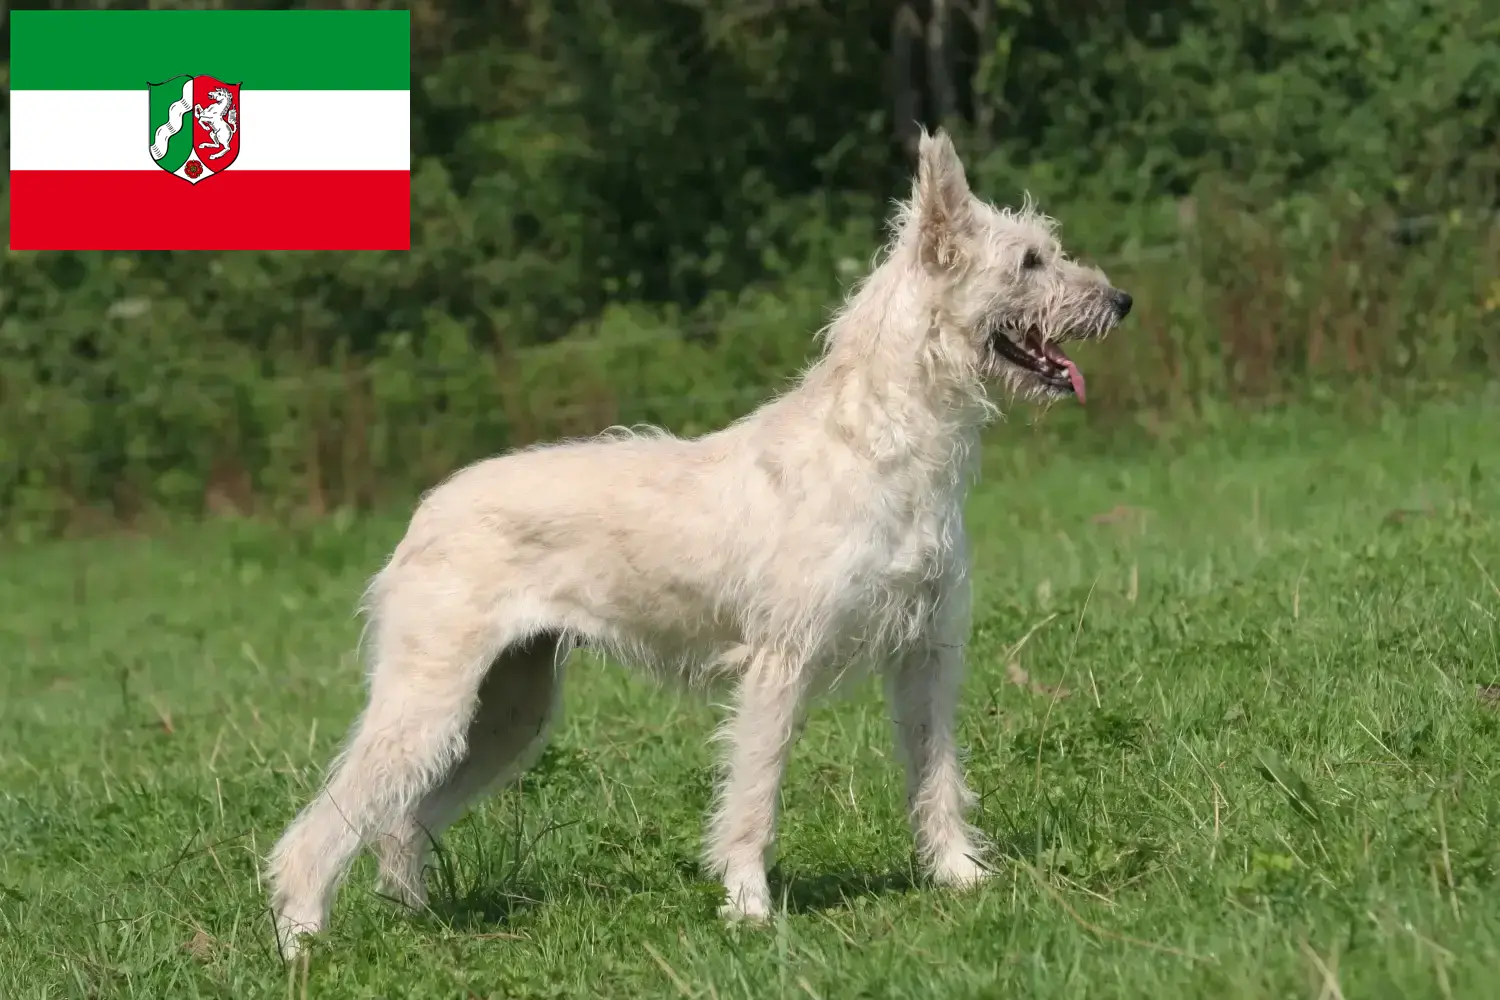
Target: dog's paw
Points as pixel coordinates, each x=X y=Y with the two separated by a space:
x=412 y=895
x=292 y=935
x=748 y=901
x=755 y=912
x=291 y=939
x=959 y=870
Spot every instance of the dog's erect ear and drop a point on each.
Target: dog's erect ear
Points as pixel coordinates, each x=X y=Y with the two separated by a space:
x=940 y=202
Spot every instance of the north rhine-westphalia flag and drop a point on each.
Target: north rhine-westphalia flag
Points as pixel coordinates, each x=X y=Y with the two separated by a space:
x=210 y=130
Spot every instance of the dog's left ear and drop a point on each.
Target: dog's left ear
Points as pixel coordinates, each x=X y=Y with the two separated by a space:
x=940 y=202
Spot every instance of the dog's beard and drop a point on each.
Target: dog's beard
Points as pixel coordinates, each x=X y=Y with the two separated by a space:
x=1025 y=351
x=1030 y=361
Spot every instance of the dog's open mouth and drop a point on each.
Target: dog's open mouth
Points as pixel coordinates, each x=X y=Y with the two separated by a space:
x=1042 y=358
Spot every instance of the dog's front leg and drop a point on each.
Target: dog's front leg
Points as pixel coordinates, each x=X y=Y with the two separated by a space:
x=759 y=737
x=922 y=688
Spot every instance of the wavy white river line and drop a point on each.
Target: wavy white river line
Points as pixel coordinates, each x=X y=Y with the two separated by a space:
x=173 y=124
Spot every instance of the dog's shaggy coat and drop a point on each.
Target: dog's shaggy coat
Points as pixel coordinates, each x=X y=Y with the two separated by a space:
x=822 y=532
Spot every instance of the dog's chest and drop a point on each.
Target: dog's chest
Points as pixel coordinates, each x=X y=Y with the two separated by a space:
x=889 y=588
x=908 y=551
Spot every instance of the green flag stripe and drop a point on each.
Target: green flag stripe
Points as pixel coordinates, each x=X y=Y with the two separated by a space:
x=262 y=49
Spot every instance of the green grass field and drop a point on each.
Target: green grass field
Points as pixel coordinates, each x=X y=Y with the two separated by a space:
x=1250 y=749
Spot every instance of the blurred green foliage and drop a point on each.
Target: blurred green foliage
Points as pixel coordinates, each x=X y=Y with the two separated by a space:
x=628 y=212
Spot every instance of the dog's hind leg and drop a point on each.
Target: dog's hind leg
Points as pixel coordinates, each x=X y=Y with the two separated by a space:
x=922 y=687
x=424 y=687
x=760 y=735
x=517 y=705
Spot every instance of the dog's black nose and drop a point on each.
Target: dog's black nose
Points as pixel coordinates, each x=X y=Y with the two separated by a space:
x=1123 y=302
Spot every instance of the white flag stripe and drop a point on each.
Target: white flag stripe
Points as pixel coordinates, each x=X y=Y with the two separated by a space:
x=284 y=130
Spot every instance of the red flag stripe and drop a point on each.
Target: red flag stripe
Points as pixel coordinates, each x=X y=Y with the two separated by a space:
x=236 y=210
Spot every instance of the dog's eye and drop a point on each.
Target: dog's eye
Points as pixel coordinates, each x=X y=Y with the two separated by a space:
x=1032 y=260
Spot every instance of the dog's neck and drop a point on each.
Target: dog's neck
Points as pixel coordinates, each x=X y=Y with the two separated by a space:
x=881 y=384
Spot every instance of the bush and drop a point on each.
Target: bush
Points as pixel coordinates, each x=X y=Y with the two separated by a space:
x=636 y=213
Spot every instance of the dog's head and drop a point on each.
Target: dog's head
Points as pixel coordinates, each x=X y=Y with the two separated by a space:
x=1006 y=294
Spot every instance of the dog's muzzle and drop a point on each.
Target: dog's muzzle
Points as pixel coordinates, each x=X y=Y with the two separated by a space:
x=1037 y=354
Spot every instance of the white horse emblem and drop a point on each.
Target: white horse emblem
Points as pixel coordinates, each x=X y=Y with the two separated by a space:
x=219 y=120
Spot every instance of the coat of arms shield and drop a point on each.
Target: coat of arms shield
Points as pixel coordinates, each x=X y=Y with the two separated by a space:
x=195 y=126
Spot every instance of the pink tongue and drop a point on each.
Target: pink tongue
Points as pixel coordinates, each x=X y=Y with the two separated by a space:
x=1074 y=375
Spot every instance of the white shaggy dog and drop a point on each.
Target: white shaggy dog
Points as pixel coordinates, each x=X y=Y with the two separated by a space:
x=824 y=531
